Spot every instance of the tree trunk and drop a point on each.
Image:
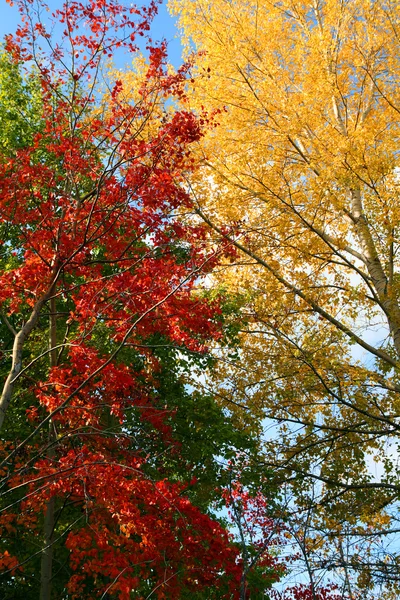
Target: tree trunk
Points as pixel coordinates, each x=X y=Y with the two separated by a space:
x=48 y=529
x=18 y=346
x=375 y=268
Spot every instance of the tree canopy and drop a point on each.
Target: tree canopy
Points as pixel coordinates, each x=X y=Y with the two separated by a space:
x=199 y=302
x=301 y=176
x=110 y=464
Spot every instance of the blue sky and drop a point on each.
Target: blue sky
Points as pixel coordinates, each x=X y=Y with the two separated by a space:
x=162 y=27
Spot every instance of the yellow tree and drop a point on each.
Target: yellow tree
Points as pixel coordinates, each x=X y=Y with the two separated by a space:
x=302 y=175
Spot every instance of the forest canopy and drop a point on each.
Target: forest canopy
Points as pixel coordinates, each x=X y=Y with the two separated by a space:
x=199 y=302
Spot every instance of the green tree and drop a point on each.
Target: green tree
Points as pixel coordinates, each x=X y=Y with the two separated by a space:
x=20 y=105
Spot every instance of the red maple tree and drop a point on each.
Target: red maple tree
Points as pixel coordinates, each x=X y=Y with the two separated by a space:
x=98 y=257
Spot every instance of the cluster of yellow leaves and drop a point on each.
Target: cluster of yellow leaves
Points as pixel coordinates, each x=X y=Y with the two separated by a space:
x=311 y=113
x=304 y=165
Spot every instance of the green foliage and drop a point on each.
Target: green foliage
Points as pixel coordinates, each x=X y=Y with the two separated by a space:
x=20 y=106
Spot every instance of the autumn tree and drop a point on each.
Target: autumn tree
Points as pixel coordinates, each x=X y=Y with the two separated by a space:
x=302 y=178
x=108 y=460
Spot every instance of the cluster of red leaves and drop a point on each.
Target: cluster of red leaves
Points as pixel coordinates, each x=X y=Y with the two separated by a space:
x=249 y=512
x=92 y=207
x=85 y=32
x=8 y=562
x=249 y=515
x=133 y=529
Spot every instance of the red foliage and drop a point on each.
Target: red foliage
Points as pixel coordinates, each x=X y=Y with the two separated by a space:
x=92 y=206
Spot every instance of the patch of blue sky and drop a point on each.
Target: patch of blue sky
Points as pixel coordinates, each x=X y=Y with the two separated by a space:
x=163 y=27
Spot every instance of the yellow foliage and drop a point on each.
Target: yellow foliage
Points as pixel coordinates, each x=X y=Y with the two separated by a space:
x=305 y=167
